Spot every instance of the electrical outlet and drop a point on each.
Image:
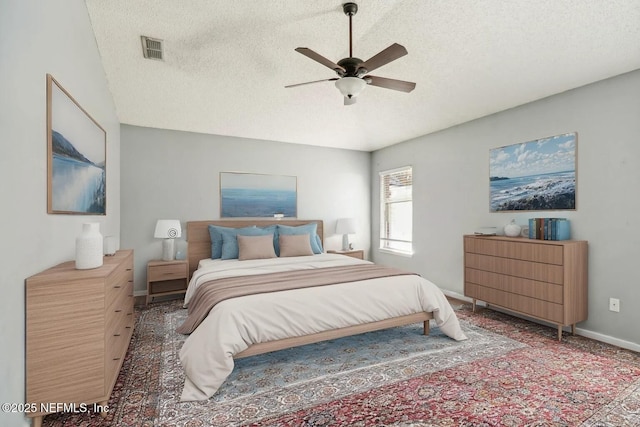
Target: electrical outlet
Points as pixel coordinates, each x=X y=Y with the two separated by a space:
x=614 y=304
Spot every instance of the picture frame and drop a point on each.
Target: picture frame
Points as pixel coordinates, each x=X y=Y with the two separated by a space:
x=76 y=156
x=535 y=175
x=251 y=195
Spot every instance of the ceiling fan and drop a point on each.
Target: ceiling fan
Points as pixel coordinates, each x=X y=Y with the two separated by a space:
x=353 y=72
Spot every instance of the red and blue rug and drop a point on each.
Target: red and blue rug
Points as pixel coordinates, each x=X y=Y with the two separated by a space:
x=509 y=373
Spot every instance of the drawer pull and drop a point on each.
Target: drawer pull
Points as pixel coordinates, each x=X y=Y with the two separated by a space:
x=127 y=327
x=117 y=286
x=118 y=311
x=129 y=269
x=116 y=335
x=116 y=358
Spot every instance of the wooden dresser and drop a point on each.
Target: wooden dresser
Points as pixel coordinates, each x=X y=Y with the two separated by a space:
x=542 y=279
x=78 y=327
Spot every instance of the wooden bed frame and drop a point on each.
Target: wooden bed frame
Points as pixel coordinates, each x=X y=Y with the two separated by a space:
x=199 y=247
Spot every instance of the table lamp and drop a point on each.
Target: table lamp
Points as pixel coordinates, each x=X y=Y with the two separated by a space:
x=345 y=226
x=167 y=229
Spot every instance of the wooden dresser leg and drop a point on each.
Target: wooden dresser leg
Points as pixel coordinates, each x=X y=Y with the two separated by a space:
x=103 y=408
x=37 y=422
x=559 y=332
x=573 y=329
x=473 y=305
x=426 y=328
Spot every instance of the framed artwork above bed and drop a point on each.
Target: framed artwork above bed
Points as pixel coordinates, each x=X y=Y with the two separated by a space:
x=250 y=195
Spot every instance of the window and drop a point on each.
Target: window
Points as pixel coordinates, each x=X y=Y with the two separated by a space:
x=396 y=210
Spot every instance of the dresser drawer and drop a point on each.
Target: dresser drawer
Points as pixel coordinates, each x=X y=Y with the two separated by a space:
x=121 y=281
x=117 y=315
x=514 y=267
x=516 y=285
x=167 y=272
x=525 y=305
x=543 y=253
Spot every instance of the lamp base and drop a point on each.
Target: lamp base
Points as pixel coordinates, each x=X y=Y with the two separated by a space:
x=168 y=250
x=345 y=242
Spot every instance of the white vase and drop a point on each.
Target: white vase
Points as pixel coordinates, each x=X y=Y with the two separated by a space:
x=89 y=250
x=512 y=229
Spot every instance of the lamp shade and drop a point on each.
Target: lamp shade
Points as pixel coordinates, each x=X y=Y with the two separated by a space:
x=167 y=229
x=346 y=226
x=350 y=86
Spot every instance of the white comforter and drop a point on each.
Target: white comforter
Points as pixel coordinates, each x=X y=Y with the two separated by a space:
x=234 y=324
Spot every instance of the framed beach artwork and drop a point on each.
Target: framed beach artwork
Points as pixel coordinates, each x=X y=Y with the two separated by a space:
x=249 y=195
x=534 y=176
x=76 y=156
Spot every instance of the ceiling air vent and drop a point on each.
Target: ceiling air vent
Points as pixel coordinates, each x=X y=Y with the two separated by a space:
x=151 y=48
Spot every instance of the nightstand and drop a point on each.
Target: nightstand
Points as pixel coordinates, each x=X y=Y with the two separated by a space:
x=166 y=278
x=358 y=253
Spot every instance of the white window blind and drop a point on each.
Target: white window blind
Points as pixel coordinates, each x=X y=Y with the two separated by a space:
x=396 y=210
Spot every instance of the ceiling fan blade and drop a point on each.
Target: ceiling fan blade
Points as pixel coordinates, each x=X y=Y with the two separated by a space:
x=315 y=81
x=319 y=58
x=391 y=53
x=349 y=101
x=386 y=83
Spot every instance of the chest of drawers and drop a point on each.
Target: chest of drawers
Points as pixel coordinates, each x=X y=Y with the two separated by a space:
x=78 y=327
x=543 y=279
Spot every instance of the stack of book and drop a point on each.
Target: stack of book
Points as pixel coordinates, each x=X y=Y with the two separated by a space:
x=549 y=228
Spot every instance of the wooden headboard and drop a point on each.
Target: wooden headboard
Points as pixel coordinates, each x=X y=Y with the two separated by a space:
x=199 y=240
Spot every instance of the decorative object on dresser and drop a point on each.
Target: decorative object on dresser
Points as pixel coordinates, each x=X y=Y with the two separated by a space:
x=512 y=229
x=537 y=175
x=166 y=278
x=76 y=156
x=549 y=228
x=78 y=327
x=89 y=250
x=346 y=226
x=110 y=245
x=168 y=229
x=355 y=253
x=541 y=279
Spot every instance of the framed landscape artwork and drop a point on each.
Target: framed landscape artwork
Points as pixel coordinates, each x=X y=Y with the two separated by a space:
x=535 y=175
x=76 y=156
x=251 y=195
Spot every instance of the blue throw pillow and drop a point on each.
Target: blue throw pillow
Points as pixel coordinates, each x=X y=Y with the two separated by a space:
x=311 y=229
x=216 y=232
x=230 y=248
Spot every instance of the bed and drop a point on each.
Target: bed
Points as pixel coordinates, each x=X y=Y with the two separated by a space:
x=306 y=307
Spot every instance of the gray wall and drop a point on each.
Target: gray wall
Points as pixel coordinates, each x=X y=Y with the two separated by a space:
x=36 y=38
x=175 y=175
x=451 y=193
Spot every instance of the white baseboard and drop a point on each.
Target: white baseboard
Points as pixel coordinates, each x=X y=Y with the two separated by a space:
x=608 y=339
x=579 y=331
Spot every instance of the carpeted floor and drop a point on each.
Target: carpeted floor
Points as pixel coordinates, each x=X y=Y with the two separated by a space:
x=509 y=373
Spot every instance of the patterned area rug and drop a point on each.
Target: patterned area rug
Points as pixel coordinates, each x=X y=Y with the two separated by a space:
x=509 y=373
x=293 y=379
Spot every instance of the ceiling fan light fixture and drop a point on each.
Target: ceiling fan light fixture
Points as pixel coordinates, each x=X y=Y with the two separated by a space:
x=350 y=86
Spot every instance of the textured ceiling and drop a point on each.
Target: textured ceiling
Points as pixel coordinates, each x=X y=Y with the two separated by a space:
x=227 y=62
